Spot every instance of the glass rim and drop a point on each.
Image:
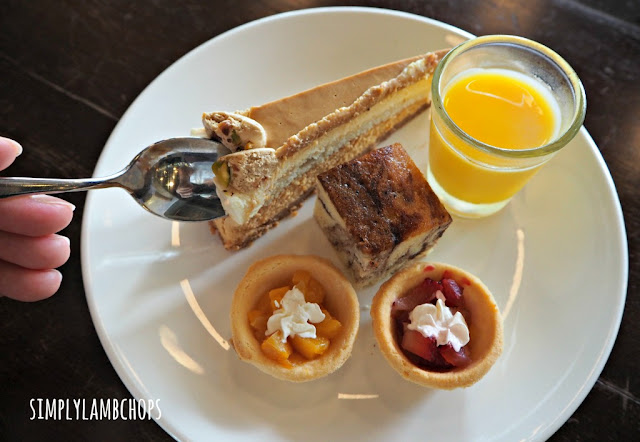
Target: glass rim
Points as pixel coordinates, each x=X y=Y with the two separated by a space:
x=579 y=108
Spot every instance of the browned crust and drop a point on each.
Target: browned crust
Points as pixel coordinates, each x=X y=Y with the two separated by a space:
x=383 y=199
x=276 y=271
x=237 y=236
x=485 y=326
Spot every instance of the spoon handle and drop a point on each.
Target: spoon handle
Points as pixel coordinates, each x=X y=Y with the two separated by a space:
x=23 y=186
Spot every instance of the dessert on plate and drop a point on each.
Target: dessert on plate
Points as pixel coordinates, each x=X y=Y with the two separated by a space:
x=294 y=317
x=277 y=149
x=379 y=213
x=437 y=325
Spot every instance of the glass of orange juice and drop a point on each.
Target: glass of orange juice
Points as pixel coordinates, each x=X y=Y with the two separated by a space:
x=502 y=106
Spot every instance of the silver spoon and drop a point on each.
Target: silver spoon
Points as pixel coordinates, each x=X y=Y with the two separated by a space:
x=171 y=178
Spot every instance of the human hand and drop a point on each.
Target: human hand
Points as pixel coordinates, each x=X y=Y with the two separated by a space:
x=30 y=249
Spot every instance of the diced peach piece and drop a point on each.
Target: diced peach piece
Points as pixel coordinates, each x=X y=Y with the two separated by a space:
x=310 y=347
x=275 y=297
x=315 y=292
x=328 y=328
x=312 y=289
x=327 y=313
x=300 y=276
x=300 y=279
x=264 y=304
x=297 y=359
x=258 y=321
x=276 y=350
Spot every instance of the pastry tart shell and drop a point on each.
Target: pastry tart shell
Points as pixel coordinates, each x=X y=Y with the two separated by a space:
x=485 y=326
x=276 y=271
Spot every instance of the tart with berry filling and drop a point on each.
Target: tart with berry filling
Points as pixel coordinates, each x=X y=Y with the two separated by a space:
x=294 y=317
x=437 y=325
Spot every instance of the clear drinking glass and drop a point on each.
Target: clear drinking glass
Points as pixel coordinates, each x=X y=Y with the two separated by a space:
x=474 y=179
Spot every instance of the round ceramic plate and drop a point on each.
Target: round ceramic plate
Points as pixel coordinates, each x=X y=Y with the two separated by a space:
x=160 y=292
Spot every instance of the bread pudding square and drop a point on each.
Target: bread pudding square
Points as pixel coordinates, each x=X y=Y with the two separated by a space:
x=379 y=213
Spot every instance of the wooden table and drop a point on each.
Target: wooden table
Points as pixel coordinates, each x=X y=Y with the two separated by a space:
x=68 y=71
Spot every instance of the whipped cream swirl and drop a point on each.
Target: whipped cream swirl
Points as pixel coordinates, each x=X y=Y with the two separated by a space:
x=439 y=322
x=296 y=316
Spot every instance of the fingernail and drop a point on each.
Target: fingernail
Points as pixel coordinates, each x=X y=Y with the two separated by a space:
x=47 y=199
x=57 y=273
x=65 y=239
x=8 y=143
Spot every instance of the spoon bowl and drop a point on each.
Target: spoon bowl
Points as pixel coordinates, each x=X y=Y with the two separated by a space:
x=172 y=179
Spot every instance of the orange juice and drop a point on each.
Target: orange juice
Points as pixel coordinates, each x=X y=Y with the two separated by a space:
x=498 y=107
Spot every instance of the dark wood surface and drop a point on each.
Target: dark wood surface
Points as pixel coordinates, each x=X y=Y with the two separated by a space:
x=68 y=71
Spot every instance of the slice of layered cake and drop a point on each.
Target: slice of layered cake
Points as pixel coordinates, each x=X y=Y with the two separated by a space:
x=379 y=213
x=279 y=148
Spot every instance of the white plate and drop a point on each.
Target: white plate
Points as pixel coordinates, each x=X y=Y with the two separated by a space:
x=160 y=292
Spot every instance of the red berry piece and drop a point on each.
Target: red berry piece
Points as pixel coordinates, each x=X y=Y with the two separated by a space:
x=423 y=293
x=455 y=358
x=431 y=287
x=409 y=302
x=447 y=274
x=452 y=293
x=414 y=342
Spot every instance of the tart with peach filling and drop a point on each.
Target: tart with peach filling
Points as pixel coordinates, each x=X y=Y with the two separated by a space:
x=437 y=325
x=294 y=317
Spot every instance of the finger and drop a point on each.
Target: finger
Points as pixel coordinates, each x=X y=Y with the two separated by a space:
x=9 y=150
x=41 y=253
x=35 y=215
x=28 y=285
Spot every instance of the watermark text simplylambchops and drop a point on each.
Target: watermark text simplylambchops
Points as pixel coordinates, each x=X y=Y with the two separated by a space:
x=94 y=409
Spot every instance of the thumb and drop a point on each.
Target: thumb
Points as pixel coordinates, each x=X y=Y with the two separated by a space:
x=9 y=150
